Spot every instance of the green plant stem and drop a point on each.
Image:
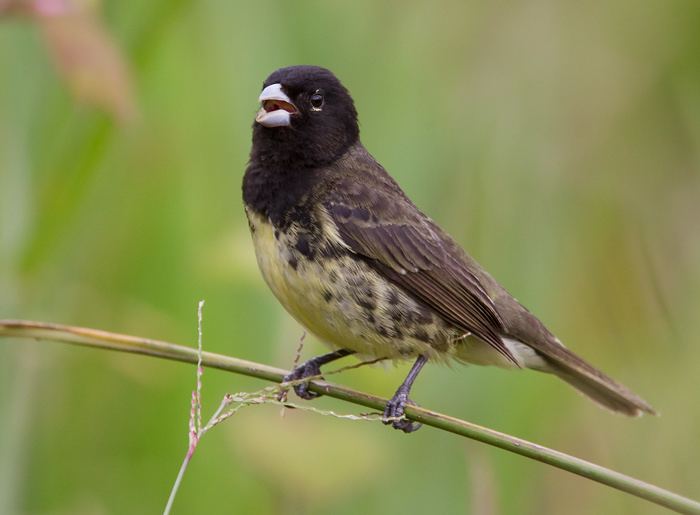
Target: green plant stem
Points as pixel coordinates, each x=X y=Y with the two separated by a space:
x=136 y=345
x=176 y=485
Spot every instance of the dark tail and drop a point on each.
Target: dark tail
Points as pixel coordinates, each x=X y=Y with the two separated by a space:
x=524 y=327
x=596 y=385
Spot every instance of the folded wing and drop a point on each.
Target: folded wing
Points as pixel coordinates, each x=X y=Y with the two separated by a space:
x=400 y=242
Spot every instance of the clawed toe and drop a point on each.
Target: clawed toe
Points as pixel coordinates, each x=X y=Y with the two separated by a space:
x=302 y=389
x=309 y=369
x=394 y=413
x=303 y=392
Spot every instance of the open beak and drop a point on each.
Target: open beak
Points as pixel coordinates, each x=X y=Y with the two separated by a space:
x=277 y=109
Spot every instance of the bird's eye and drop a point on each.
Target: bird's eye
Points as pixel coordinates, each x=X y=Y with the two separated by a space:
x=317 y=100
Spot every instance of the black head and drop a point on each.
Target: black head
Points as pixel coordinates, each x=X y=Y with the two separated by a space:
x=307 y=118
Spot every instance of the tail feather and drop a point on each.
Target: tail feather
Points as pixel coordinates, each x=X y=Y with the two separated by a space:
x=597 y=386
x=524 y=327
x=613 y=399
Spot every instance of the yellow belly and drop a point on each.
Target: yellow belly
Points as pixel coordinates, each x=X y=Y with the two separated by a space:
x=345 y=303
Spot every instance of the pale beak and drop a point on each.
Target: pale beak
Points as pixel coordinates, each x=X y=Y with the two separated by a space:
x=277 y=108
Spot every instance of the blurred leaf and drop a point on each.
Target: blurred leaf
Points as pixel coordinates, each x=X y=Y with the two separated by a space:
x=78 y=159
x=86 y=55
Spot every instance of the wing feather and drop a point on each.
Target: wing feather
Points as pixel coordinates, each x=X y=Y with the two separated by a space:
x=404 y=245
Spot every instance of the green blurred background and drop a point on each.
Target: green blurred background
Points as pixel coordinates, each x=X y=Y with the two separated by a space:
x=558 y=141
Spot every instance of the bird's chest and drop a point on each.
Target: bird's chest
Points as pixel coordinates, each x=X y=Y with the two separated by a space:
x=292 y=266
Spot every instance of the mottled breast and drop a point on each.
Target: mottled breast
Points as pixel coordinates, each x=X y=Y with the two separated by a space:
x=337 y=296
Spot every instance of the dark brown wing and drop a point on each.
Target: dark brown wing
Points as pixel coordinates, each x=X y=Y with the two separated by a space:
x=377 y=221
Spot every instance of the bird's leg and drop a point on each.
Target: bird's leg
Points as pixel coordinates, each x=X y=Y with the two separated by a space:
x=395 y=407
x=311 y=368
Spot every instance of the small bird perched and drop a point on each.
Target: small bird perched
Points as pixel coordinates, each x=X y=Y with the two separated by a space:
x=350 y=256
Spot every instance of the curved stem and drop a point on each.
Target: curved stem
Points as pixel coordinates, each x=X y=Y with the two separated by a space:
x=137 y=345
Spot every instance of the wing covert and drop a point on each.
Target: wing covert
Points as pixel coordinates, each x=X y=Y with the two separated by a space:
x=403 y=245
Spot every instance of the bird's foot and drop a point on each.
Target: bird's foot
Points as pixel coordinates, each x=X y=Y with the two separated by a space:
x=307 y=369
x=394 y=413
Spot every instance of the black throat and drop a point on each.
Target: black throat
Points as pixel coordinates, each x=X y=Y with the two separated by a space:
x=281 y=194
x=284 y=166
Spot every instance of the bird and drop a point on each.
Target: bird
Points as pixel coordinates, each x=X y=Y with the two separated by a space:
x=355 y=262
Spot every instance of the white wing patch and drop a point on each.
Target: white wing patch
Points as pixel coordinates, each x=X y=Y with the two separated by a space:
x=526 y=356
